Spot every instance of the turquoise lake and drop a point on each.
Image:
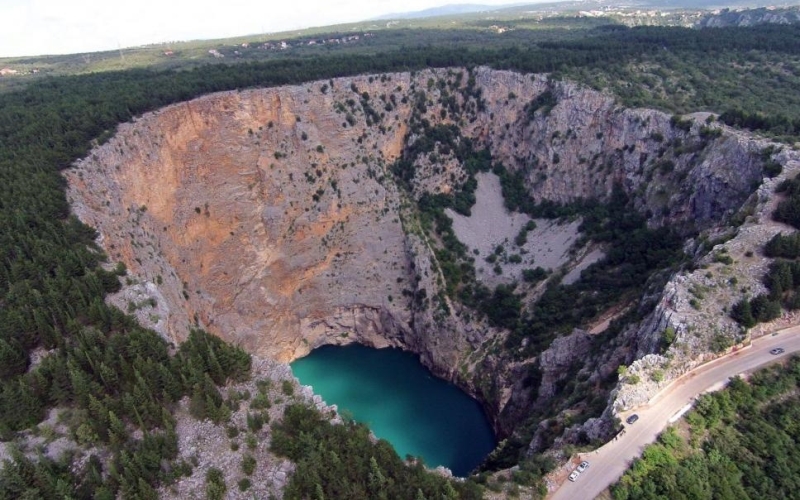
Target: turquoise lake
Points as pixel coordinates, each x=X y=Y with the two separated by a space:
x=402 y=402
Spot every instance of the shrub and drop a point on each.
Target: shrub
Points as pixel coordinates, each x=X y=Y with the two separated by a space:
x=534 y=275
x=248 y=464
x=251 y=441
x=772 y=168
x=215 y=484
x=742 y=313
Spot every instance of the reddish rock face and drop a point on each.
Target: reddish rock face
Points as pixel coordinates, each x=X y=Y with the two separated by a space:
x=259 y=214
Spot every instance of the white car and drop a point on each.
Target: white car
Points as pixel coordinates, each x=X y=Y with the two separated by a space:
x=574 y=475
x=583 y=466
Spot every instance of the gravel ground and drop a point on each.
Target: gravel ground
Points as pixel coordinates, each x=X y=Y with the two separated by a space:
x=492 y=225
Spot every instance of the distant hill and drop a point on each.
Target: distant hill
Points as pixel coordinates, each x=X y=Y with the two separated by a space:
x=567 y=5
x=709 y=4
x=447 y=10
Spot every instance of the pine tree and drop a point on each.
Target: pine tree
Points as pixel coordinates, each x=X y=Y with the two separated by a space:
x=145 y=491
x=450 y=493
x=98 y=417
x=44 y=329
x=376 y=479
x=742 y=313
x=214 y=368
x=117 y=434
x=81 y=384
x=13 y=359
x=108 y=376
x=197 y=403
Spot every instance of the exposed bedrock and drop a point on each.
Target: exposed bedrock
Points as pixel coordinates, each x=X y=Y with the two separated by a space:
x=270 y=216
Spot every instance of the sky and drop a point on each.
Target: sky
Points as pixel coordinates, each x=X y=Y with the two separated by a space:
x=38 y=27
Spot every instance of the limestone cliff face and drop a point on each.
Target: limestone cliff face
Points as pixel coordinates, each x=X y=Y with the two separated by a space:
x=573 y=143
x=260 y=216
x=580 y=144
x=270 y=216
x=267 y=217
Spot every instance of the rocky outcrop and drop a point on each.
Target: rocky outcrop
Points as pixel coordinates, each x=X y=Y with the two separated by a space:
x=271 y=218
x=750 y=17
x=691 y=323
x=559 y=360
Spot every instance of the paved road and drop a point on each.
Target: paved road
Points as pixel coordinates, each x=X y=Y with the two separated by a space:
x=611 y=460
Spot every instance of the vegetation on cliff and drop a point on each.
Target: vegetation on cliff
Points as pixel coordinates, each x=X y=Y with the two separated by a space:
x=115 y=380
x=634 y=253
x=783 y=277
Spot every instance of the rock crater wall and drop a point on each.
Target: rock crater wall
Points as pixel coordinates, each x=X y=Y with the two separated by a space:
x=270 y=216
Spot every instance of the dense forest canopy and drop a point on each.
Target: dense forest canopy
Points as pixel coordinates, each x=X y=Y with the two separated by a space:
x=53 y=277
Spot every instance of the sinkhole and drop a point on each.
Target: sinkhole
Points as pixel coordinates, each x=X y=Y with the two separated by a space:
x=401 y=401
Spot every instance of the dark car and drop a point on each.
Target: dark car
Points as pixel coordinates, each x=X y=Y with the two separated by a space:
x=776 y=351
x=633 y=418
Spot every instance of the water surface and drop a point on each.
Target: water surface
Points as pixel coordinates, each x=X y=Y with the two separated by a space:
x=401 y=402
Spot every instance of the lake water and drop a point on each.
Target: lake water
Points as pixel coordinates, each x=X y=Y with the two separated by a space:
x=401 y=402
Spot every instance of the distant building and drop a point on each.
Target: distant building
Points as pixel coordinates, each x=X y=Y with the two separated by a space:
x=168 y=53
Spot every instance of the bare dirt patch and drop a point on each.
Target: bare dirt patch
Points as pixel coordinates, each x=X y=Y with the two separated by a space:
x=587 y=260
